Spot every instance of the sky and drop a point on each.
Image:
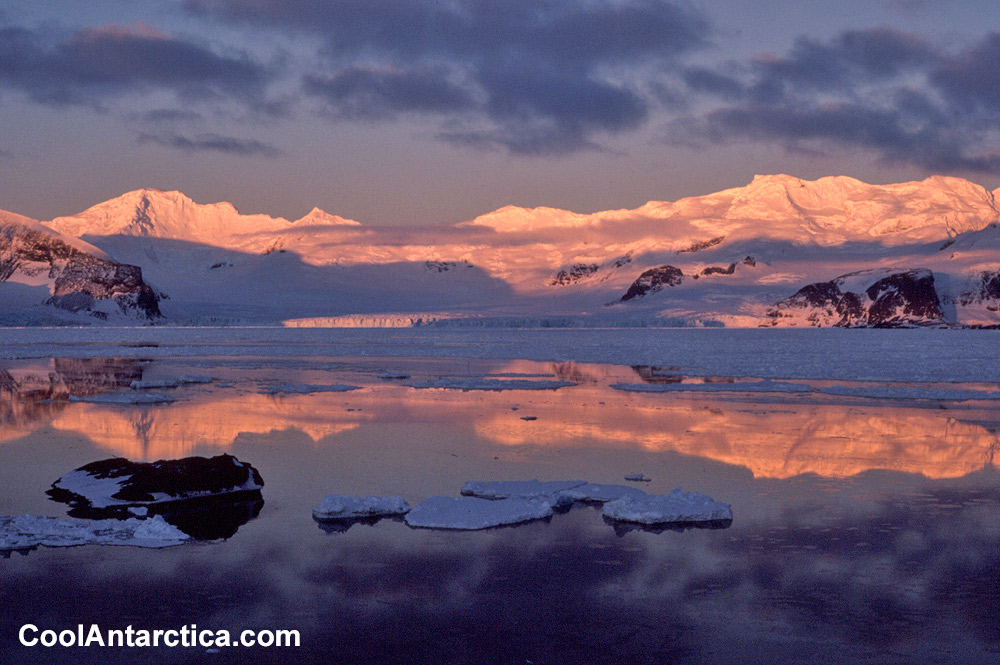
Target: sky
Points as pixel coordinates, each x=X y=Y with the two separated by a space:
x=423 y=112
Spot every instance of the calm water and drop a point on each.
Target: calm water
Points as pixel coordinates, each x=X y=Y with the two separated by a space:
x=865 y=530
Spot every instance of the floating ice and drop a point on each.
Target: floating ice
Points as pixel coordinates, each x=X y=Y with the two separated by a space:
x=147 y=384
x=28 y=531
x=124 y=398
x=471 y=513
x=482 y=383
x=637 y=478
x=393 y=376
x=336 y=507
x=677 y=506
x=304 y=389
x=597 y=493
x=505 y=489
x=733 y=387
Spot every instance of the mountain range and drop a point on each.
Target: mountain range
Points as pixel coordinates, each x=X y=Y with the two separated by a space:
x=780 y=251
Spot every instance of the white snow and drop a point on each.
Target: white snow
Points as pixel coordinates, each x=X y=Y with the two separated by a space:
x=338 y=507
x=472 y=513
x=27 y=531
x=675 y=507
x=305 y=389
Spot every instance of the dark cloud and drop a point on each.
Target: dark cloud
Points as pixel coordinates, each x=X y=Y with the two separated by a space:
x=880 y=90
x=535 y=78
x=358 y=92
x=96 y=62
x=212 y=143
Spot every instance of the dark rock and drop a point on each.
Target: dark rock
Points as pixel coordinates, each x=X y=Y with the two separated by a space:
x=653 y=280
x=80 y=279
x=574 y=274
x=703 y=244
x=887 y=300
x=207 y=498
x=716 y=270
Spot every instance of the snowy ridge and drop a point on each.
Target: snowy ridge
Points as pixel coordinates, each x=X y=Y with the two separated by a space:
x=731 y=258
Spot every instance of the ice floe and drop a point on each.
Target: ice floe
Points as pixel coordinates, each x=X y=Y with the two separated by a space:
x=598 y=493
x=506 y=489
x=305 y=389
x=638 y=478
x=128 y=398
x=337 y=507
x=29 y=531
x=676 y=507
x=472 y=513
x=147 y=384
x=483 y=383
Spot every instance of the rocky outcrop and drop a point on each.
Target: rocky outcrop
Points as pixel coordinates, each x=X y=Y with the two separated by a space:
x=77 y=280
x=653 y=280
x=207 y=498
x=866 y=299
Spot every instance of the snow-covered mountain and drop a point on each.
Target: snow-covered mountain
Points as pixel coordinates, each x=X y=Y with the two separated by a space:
x=779 y=251
x=40 y=267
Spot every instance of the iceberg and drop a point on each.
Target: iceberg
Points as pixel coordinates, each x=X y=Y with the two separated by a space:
x=472 y=513
x=676 y=507
x=337 y=507
x=28 y=531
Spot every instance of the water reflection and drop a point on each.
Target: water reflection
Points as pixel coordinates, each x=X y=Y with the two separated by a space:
x=862 y=531
x=777 y=439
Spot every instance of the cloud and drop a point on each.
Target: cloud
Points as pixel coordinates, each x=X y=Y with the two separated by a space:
x=533 y=78
x=115 y=60
x=212 y=143
x=880 y=90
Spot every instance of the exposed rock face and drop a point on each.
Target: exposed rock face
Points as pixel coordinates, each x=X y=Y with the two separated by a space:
x=653 y=280
x=986 y=290
x=574 y=274
x=867 y=299
x=78 y=280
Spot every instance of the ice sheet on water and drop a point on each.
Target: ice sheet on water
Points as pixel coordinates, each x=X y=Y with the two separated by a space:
x=305 y=389
x=472 y=513
x=130 y=397
x=338 y=507
x=598 y=493
x=676 y=507
x=505 y=489
x=740 y=387
x=485 y=383
x=147 y=384
x=28 y=531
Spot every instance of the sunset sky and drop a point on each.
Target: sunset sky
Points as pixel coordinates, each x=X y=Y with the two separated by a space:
x=435 y=111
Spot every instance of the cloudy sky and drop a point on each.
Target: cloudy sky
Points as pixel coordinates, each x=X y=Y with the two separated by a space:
x=434 y=111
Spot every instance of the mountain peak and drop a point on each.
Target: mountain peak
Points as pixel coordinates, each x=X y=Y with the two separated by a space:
x=318 y=216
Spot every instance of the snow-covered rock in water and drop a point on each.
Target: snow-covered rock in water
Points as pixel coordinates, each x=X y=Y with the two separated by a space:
x=337 y=507
x=29 y=531
x=881 y=298
x=75 y=276
x=676 y=507
x=505 y=489
x=120 y=483
x=472 y=513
